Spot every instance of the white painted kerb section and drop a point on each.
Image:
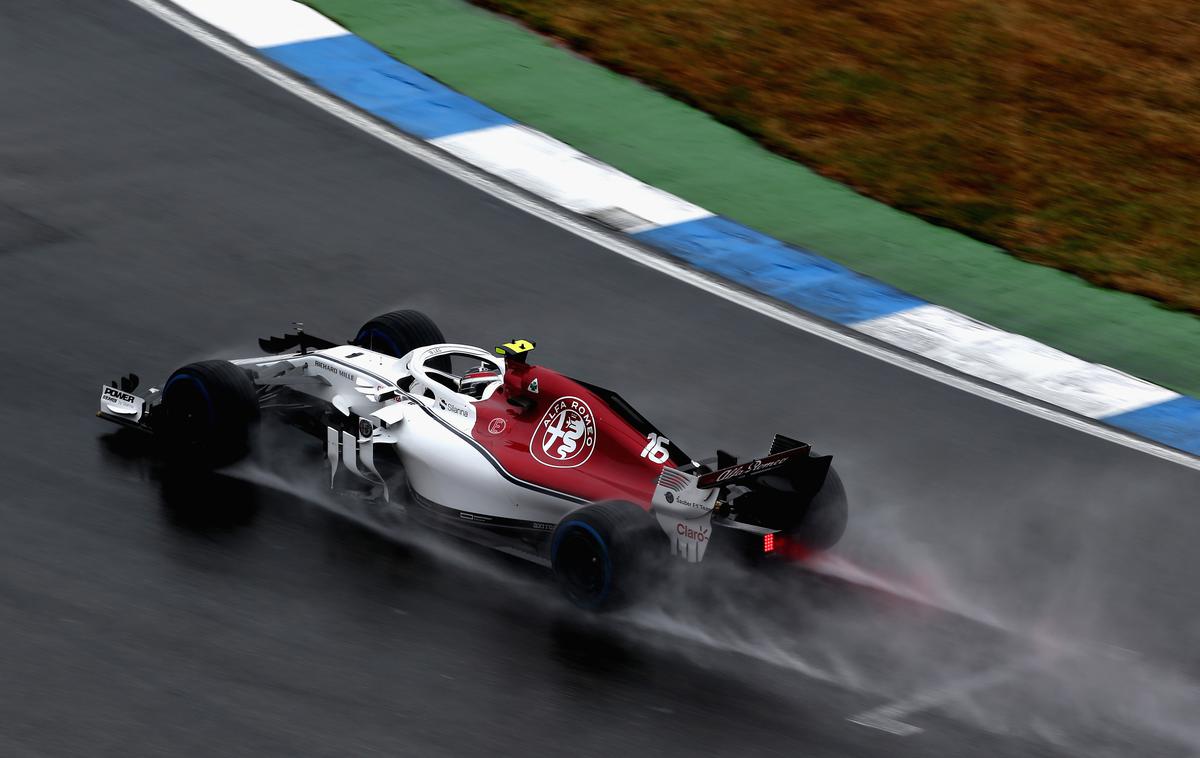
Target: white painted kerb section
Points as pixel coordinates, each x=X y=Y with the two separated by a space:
x=1015 y=362
x=264 y=23
x=561 y=174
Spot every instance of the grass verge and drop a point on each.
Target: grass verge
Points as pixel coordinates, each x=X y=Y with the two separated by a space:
x=1061 y=130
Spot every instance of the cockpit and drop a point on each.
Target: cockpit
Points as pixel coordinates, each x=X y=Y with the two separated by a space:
x=462 y=369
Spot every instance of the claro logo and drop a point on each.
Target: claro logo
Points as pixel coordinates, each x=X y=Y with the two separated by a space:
x=683 y=530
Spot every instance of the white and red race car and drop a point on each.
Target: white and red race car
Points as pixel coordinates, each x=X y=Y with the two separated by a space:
x=490 y=446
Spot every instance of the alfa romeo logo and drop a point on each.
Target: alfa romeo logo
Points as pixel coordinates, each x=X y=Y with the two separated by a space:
x=566 y=435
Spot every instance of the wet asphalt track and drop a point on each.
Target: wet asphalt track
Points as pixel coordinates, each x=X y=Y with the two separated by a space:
x=158 y=204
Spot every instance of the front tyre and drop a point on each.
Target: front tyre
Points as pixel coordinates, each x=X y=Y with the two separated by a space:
x=208 y=414
x=398 y=333
x=605 y=554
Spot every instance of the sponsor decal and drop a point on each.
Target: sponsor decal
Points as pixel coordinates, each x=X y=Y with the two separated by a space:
x=116 y=395
x=335 y=370
x=114 y=400
x=532 y=388
x=453 y=409
x=566 y=435
x=687 y=532
x=753 y=467
x=497 y=426
x=679 y=489
x=483 y=518
x=756 y=466
x=697 y=505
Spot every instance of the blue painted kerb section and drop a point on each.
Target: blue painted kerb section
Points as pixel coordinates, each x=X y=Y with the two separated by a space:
x=1175 y=423
x=364 y=75
x=361 y=73
x=766 y=265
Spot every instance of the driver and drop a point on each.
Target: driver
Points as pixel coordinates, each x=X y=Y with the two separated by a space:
x=476 y=381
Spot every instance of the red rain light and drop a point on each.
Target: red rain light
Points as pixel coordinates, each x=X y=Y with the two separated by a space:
x=769 y=543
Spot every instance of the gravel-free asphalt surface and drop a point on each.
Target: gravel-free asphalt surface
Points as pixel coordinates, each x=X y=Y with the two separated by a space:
x=159 y=204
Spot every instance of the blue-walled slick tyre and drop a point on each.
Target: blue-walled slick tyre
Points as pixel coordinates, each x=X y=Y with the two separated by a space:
x=208 y=414
x=606 y=554
x=398 y=333
x=401 y=332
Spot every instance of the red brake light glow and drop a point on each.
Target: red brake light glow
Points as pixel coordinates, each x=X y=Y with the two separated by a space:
x=769 y=543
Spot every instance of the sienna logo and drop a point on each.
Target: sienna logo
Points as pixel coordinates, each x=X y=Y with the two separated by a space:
x=566 y=435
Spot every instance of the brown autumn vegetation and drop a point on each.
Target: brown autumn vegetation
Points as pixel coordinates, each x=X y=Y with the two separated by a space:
x=1065 y=131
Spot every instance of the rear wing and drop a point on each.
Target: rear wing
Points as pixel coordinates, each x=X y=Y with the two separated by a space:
x=684 y=503
x=789 y=466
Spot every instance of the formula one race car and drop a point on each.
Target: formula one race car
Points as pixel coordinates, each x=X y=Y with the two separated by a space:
x=492 y=447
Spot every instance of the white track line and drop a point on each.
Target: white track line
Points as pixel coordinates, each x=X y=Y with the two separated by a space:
x=612 y=241
x=887 y=717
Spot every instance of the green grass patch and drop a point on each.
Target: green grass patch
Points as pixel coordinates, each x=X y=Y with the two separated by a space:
x=1065 y=131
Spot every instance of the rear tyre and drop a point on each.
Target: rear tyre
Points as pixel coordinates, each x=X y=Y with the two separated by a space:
x=208 y=414
x=398 y=333
x=824 y=521
x=605 y=555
